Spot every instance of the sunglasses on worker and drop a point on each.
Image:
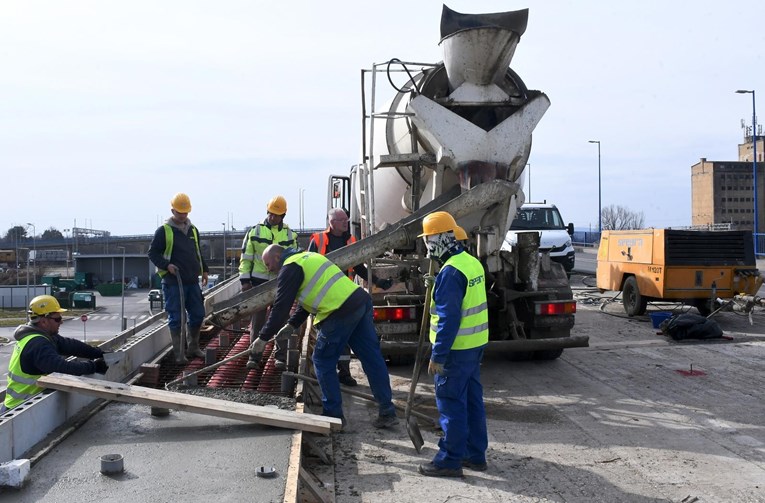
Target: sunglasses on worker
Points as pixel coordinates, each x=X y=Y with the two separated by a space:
x=57 y=319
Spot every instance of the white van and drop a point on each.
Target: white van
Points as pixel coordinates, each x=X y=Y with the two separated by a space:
x=555 y=236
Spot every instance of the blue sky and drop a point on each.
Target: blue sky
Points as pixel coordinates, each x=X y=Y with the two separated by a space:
x=110 y=108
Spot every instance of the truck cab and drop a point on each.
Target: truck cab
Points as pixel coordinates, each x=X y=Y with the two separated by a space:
x=555 y=236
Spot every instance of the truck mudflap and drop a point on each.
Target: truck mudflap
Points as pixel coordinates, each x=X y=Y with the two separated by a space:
x=506 y=346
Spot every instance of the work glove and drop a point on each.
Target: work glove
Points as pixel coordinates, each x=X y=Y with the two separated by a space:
x=285 y=332
x=429 y=280
x=383 y=283
x=101 y=366
x=435 y=368
x=258 y=346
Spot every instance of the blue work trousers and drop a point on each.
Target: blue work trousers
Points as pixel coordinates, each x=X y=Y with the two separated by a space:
x=192 y=297
x=358 y=332
x=459 y=398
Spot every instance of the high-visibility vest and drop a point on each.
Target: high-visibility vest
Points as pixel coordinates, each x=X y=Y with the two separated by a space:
x=321 y=240
x=324 y=288
x=169 y=248
x=474 y=322
x=21 y=386
x=255 y=242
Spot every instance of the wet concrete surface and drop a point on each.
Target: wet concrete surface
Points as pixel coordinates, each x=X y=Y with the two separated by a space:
x=181 y=457
x=618 y=421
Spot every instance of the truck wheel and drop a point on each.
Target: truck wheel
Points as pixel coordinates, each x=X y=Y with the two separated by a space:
x=634 y=302
x=548 y=354
x=400 y=360
x=520 y=356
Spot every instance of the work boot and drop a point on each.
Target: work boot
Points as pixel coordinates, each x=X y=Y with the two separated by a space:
x=193 y=350
x=477 y=467
x=175 y=337
x=385 y=421
x=344 y=373
x=431 y=470
x=347 y=379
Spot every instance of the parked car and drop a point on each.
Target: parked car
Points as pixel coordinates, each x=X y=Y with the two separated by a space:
x=155 y=296
x=555 y=236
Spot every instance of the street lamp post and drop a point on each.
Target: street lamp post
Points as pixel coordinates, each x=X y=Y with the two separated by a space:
x=67 y=253
x=34 y=247
x=225 y=258
x=600 y=203
x=754 y=168
x=26 y=302
x=123 y=321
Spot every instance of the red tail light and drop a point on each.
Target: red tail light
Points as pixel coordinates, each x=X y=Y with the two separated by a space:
x=395 y=313
x=555 y=307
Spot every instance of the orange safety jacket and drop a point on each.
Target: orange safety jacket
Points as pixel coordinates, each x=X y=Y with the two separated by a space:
x=321 y=241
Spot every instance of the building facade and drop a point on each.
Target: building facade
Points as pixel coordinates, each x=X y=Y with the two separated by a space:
x=722 y=192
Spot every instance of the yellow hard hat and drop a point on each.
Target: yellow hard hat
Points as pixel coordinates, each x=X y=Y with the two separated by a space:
x=437 y=223
x=44 y=304
x=460 y=234
x=277 y=205
x=181 y=203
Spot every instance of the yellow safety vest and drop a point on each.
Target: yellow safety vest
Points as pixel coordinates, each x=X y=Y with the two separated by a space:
x=255 y=242
x=169 y=248
x=474 y=323
x=21 y=386
x=324 y=288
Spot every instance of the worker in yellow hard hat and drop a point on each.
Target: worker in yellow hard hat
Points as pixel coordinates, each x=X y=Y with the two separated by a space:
x=176 y=253
x=40 y=350
x=459 y=331
x=342 y=313
x=253 y=272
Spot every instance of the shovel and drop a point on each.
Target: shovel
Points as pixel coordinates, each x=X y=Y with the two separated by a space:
x=412 y=428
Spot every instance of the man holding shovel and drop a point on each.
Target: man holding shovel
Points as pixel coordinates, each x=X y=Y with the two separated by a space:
x=176 y=253
x=343 y=316
x=459 y=331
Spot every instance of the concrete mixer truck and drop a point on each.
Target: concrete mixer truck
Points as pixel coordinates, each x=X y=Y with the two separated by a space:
x=456 y=137
x=452 y=127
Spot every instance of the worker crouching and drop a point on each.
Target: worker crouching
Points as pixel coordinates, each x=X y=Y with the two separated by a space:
x=342 y=315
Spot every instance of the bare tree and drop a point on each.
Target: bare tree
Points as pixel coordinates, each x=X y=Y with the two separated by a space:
x=15 y=234
x=620 y=218
x=52 y=233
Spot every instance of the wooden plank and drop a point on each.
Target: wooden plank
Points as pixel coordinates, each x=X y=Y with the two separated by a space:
x=314 y=487
x=196 y=404
x=293 y=469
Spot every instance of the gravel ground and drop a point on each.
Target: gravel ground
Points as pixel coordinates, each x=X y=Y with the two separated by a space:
x=622 y=420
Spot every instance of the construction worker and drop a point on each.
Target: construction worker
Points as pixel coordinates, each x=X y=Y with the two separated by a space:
x=334 y=237
x=41 y=350
x=342 y=315
x=459 y=331
x=252 y=270
x=175 y=252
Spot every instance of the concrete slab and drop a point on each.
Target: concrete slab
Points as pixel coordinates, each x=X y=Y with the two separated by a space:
x=182 y=457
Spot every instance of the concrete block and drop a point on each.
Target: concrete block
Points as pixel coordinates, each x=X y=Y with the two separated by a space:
x=14 y=473
x=150 y=373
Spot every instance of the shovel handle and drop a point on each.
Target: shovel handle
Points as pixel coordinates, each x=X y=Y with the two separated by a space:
x=209 y=367
x=365 y=396
x=420 y=343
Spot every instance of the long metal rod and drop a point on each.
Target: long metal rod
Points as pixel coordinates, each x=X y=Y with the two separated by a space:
x=366 y=396
x=209 y=367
